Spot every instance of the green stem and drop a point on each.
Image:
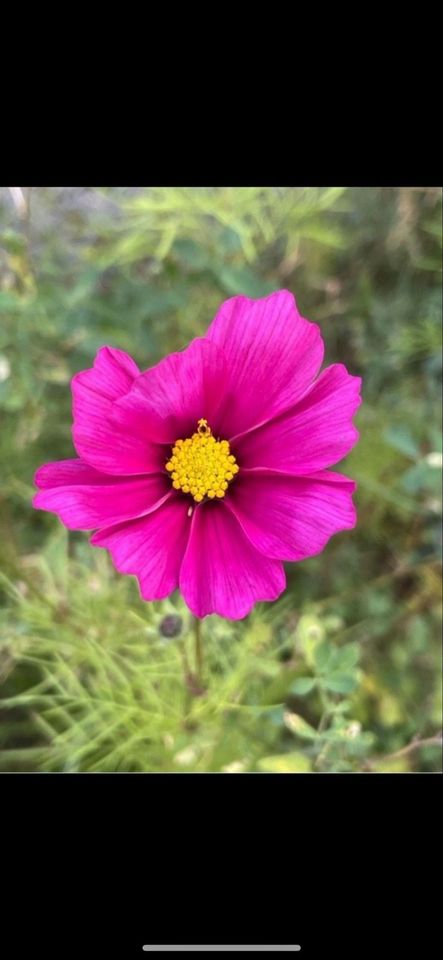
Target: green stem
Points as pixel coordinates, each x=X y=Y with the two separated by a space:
x=198 y=648
x=325 y=712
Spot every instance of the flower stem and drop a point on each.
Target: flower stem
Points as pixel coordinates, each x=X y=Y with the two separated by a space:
x=325 y=712
x=198 y=648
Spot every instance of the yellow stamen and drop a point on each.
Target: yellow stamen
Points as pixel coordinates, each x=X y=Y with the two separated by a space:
x=202 y=465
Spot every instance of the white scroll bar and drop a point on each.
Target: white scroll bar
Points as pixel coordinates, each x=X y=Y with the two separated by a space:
x=223 y=948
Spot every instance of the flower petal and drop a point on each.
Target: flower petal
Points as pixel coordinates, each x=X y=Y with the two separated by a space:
x=84 y=499
x=151 y=548
x=272 y=353
x=315 y=433
x=221 y=571
x=60 y=473
x=98 y=440
x=166 y=401
x=290 y=518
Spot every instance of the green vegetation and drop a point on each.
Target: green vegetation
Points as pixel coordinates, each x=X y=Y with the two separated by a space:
x=344 y=671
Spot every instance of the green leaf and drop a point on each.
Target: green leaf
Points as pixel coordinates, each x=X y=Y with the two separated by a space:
x=340 y=682
x=303 y=685
x=285 y=763
x=299 y=726
x=322 y=655
x=395 y=765
x=330 y=236
x=237 y=280
x=194 y=255
x=346 y=657
x=420 y=477
x=400 y=438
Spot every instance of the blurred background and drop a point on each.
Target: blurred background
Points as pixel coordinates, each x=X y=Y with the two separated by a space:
x=343 y=673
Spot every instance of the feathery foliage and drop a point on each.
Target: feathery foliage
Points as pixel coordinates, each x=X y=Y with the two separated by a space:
x=343 y=672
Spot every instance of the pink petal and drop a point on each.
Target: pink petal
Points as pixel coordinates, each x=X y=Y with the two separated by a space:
x=151 y=548
x=316 y=433
x=272 y=355
x=98 y=440
x=221 y=571
x=114 y=372
x=64 y=472
x=165 y=402
x=84 y=499
x=290 y=518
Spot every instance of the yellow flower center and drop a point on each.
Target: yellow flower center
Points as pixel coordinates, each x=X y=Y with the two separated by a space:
x=202 y=465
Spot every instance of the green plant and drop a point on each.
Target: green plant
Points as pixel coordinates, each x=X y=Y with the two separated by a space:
x=342 y=674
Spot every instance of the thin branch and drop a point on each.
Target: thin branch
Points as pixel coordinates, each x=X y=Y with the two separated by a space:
x=435 y=741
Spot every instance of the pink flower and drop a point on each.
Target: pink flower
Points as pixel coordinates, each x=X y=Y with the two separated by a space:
x=210 y=469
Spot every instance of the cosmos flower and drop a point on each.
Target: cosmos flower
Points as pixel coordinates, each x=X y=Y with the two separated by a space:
x=208 y=470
